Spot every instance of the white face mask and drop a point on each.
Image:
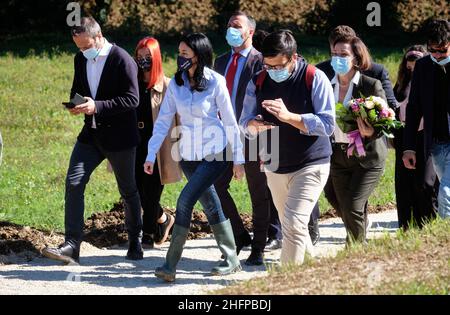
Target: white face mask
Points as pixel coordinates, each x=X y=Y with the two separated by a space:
x=91 y=53
x=443 y=62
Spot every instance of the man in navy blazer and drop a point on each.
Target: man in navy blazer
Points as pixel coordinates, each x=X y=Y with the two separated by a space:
x=106 y=76
x=430 y=99
x=247 y=61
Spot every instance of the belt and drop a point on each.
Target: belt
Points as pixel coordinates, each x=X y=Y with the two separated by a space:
x=436 y=141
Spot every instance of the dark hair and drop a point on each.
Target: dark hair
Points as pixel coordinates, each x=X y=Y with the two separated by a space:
x=258 y=39
x=279 y=42
x=251 y=21
x=87 y=25
x=413 y=53
x=340 y=31
x=203 y=50
x=438 y=32
x=360 y=50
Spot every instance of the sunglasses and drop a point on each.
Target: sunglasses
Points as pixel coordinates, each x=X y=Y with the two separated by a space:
x=434 y=51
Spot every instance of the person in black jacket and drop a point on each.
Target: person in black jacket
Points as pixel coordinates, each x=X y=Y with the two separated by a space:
x=415 y=190
x=430 y=99
x=106 y=76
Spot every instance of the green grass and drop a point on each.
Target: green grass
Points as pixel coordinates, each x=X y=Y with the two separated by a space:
x=412 y=262
x=39 y=135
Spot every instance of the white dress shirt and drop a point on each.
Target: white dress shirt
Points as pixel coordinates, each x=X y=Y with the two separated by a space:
x=94 y=69
x=203 y=133
x=339 y=135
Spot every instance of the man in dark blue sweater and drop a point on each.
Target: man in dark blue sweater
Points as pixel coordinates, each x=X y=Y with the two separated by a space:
x=291 y=104
x=106 y=76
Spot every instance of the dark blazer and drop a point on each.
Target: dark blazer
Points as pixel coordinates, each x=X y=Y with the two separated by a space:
x=252 y=66
x=376 y=71
x=420 y=105
x=116 y=100
x=376 y=148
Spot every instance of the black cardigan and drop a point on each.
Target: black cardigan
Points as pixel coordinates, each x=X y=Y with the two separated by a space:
x=116 y=100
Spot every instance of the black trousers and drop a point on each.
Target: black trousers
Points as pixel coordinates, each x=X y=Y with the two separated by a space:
x=261 y=203
x=150 y=191
x=353 y=186
x=415 y=190
x=84 y=160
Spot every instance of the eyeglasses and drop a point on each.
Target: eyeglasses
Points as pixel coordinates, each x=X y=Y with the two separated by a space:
x=277 y=67
x=148 y=59
x=441 y=51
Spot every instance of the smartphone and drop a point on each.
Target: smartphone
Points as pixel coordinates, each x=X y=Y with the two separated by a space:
x=266 y=123
x=76 y=100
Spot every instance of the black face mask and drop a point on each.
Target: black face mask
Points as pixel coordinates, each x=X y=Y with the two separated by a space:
x=145 y=64
x=184 y=63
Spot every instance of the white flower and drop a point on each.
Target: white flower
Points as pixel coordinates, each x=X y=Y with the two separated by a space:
x=380 y=102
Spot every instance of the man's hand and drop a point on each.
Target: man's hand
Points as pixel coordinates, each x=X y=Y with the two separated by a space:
x=148 y=167
x=409 y=159
x=238 y=172
x=87 y=108
x=278 y=109
x=256 y=126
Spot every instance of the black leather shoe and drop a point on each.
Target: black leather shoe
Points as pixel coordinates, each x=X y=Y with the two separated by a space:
x=256 y=258
x=66 y=253
x=273 y=244
x=314 y=232
x=147 y=241
x=135 y=251
x=242 y=241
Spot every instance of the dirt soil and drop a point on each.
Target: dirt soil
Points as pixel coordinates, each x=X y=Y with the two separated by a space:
x=102 y=230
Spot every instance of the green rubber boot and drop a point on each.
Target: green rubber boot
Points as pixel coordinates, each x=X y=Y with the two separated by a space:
x=225 y=240
x=168 y=271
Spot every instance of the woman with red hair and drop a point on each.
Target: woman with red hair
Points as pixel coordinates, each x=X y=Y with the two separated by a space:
x=152 y=87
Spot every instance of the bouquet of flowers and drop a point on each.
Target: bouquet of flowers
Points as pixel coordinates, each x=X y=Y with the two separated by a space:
x=375 y=111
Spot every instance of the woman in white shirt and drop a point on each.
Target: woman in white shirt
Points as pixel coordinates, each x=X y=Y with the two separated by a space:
x=197 y=95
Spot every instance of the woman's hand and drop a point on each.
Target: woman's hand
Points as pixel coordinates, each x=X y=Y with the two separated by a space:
x=238 y=172
x=365 y=129
x=148 y=167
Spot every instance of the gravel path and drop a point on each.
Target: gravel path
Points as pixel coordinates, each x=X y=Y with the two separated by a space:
x=105 y=271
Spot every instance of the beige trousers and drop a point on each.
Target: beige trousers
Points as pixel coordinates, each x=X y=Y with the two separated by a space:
x=295 y=195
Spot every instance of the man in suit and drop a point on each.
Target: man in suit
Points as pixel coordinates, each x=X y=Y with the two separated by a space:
x=106 y=76
x=238 y=66
x=430 y=99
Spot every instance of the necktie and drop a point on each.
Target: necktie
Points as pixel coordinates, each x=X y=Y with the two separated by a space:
x=232 y=72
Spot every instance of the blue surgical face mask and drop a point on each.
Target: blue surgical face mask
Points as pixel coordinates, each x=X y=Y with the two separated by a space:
x=443 y=62
x=341 y=65
x=279 y=75
x=91 y=53
x=234 y=37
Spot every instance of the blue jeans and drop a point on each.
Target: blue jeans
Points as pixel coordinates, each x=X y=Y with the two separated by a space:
x=441 y=161
x=201 y=176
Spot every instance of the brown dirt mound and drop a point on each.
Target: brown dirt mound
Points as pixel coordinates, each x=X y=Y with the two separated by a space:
x=16 y=239
x=103 y=229
x=332 y=213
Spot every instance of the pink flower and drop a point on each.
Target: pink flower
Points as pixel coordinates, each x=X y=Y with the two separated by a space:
x=384 y=113
x=355 y=108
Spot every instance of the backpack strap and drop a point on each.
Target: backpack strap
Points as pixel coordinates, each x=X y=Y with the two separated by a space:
x=310 y=71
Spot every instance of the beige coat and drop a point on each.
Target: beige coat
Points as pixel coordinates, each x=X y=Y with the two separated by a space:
x=169 y=169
